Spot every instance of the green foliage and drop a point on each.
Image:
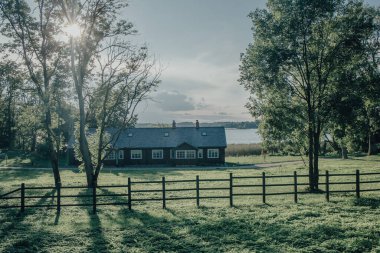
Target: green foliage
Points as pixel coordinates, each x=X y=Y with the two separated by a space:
x=93 y=144
x=10 y=96
x=293 y=68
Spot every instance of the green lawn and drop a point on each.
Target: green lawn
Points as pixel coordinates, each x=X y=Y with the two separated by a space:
x=18 y=158
x=312 y=225
x=258 y=159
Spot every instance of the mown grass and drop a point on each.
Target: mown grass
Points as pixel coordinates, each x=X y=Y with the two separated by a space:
x=313 y=225
x=19 y=158
x=259 y=159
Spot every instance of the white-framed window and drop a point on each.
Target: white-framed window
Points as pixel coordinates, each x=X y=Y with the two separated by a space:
x=121 y=154
x=185 y=154
x=157 y=154
x=136 y=154
x=180 y=154
x=200 y=153
x=111 y=156
x=190 y=154
x=213 y=153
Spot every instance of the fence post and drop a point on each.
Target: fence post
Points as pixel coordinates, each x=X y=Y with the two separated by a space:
x=197 y=189
x=59 y=197
x=163 y=193
x=327 y=186
x=94 y=198
x=22 y=197
x=357 y=184
x=129 y=194
x=264 y=197
x=231 y=191
x=295 y=188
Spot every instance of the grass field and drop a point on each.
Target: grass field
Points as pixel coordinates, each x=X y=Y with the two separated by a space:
x=258 y=159
x=313 y=225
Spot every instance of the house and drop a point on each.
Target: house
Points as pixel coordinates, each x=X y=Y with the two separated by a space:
x=166 y=146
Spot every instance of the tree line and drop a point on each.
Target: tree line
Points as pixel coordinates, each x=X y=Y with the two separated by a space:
x=226 y=124
x=68 y=66
x=312 y=70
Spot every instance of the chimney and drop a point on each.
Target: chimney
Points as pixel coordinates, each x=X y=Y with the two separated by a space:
x=196 y=124
x=173 y=124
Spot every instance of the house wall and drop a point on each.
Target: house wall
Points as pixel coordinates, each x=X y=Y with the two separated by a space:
x=147 y=158
x=211 y=161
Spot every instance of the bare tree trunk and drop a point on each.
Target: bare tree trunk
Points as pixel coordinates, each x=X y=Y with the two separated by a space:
x=55 y=166
x=34 y=142
x=324 y=148
x=316 y=160
x=83 y=144
x=78 y=77
x=53 y=153
x=344 y=152
x=311 y=145
x=371 y=146
x=311 y=157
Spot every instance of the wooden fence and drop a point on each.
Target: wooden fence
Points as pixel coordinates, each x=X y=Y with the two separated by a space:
x=131 y=193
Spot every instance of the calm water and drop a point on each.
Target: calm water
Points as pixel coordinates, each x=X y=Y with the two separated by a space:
x=242 y=136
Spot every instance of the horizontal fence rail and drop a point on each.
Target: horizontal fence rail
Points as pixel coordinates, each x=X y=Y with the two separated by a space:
x=231 y=187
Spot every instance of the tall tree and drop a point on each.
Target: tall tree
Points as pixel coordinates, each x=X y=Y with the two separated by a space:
x=10 y=84
x=124 y=78
x=297 y=46
x=370 y=74
x=102 y=29
x=32 y=32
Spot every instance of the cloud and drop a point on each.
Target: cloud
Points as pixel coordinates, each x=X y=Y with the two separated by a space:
x=174 y=101
x=196 y=88
x=202 y=104
x=197 y=70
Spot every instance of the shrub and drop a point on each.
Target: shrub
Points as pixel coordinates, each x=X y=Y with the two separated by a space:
x=243 y=149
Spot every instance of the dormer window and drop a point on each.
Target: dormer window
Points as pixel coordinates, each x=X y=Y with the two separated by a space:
x=130 y=134
x=204 y=134
x=166 y=134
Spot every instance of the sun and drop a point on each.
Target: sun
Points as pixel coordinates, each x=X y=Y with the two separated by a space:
x=72 y=30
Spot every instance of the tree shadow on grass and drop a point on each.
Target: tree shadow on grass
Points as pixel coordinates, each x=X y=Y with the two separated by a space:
x=96 y=233
x=19 y=233
x=181 y=234
x=370 y=202
x=16 y=216
x=18 y=175
x=145 y=173
x=145 y=232
x=99 y=242
x=176 y=232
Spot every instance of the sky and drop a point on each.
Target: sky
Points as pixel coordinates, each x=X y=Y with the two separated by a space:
x=198 y=44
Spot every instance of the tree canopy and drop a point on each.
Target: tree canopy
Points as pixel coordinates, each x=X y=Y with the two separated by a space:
x=71 y=63
x=292 y=67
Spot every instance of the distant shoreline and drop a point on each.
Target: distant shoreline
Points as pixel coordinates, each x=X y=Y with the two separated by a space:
x=227 y=124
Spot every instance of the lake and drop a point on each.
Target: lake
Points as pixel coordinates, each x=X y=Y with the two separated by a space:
x=242 y=136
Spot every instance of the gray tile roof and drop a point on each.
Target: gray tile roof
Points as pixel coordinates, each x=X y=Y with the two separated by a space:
x=201 y=137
